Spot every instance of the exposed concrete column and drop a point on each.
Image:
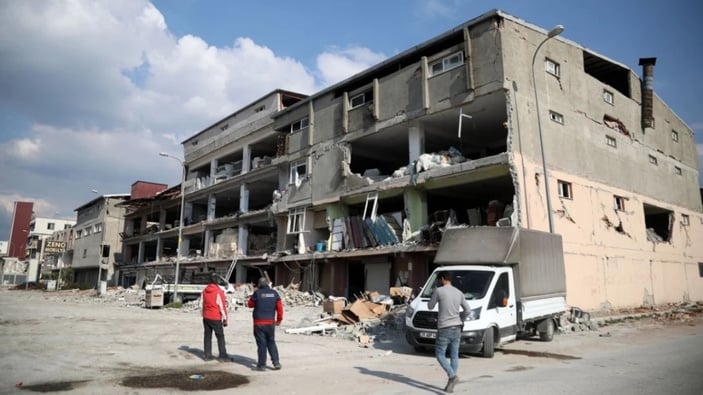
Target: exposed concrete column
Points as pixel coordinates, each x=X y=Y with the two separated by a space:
x=162 y=219
x=185 y=244
x=311 y=127
x=211 y=206
x=243 y=238
x=468 y=60
x=246 y=159
x=140 y=254
x=345 y=112
x=159 y=246
x=244 y=198
x=416 y=141
x=213 y=168
x=208 y=242
x=376 y=99
x=415 y=208
x=425 y=83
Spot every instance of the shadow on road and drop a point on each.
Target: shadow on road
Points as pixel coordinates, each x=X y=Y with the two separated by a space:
x=401 y=379
x=242 y=360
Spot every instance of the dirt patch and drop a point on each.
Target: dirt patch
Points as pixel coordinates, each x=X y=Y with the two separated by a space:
x=52 y=387
x=187 y=380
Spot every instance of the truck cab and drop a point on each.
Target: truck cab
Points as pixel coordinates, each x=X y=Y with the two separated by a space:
x=513 y=280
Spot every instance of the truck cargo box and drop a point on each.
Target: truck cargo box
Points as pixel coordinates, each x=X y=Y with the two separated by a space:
x=537 y=257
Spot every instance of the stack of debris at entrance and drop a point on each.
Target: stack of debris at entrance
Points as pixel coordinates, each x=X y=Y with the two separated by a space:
x=369 y=318
x=290 y=295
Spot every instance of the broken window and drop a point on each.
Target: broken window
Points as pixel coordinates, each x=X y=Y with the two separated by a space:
x=300 y=124
x=298 y=171
x=552 y=67
x=685 y=220
x=608 y=97
x=611 y=141
x=296 y=220
x=447 y=63
x=677 y=170
x=564 y=189
x=373 y=199
x=619 y=202
x=658 y=222
x=675 y=136
x=361 y=99
x=653 y=160
x=607 y=72
x=556 y=117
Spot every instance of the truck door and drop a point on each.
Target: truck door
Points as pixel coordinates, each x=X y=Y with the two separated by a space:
x=503 y=301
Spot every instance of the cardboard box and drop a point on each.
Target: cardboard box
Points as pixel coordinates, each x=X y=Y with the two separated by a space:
x=333 y=306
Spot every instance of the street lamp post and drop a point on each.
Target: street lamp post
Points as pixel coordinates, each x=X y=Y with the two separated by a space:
x=552 y=33
x=180 y=221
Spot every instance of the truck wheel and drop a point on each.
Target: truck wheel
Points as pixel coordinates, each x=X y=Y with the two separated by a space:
x=548 y=334
x=488 y=344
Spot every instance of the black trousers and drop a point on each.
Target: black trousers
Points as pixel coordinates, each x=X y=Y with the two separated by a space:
x=210 y=326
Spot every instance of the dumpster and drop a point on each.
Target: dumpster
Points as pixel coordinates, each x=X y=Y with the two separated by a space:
x=154 y=298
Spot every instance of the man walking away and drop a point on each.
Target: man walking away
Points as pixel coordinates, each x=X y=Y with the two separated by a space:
x=268 y=312
x=214 y=309
x=450 y=322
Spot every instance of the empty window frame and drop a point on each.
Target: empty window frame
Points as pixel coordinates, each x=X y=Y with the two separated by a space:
x=619 y=203
x=653 y=160
x=552 y=67
x=50 y=226
x=611 y=141
x=700 y=269
x=298 y=171
x=658 y=222
x=360 y=99
x=79 y=234
x=675 y=136
x=685 y=221
x=98 y=228
x=300 y=124
x=564 y=189
x=608 y=97
x=677 y=170
x=296 y=220
x=85 y=253
x=87 y=231
x=67 y=226
x=447 y=63
x=556 y=117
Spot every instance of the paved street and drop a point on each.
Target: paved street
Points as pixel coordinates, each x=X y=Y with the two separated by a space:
x=89 y=346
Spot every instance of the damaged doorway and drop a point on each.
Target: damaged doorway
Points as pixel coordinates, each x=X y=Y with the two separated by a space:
x=658 y=222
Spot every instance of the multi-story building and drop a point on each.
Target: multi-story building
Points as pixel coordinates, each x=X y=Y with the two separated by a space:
x=97 y=244
x=40 y=230
x=496 y=122
x=231 y=171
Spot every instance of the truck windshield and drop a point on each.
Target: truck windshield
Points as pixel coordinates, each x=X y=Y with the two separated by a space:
x=473 y=283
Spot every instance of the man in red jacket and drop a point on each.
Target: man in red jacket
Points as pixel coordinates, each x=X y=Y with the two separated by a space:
x=214 y=308
x=268 y=312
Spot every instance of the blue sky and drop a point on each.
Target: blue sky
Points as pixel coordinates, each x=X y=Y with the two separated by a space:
x=91 y=91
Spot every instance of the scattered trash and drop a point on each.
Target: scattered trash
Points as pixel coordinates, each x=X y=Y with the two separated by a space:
x=195 y=376
x=19 y=384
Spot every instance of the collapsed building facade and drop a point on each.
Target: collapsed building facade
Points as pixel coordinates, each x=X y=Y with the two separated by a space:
x=349 y=189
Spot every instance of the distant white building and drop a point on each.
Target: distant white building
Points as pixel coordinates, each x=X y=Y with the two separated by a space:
x=41 y=229
x=4 y=247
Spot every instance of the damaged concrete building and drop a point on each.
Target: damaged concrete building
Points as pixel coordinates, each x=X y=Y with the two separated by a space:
x=349 y=189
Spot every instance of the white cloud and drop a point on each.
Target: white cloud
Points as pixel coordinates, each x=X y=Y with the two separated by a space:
x=105 y=86
x=439 y=8
x=336 y=64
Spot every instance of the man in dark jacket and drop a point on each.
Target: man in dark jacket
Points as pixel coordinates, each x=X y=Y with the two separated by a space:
x=214 y=308
x=268 y=312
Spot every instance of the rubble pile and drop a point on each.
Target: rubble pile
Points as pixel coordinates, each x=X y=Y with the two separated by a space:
x=290 y=295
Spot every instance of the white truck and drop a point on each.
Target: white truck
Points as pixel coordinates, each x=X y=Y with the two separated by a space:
x=513 y=280
x=190 y=290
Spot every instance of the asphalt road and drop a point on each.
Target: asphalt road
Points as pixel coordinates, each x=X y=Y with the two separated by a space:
x=55 y=343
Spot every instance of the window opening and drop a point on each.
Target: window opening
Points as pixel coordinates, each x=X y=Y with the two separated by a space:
x=658 y=222
x=50 y=226
x=373 y=197
x=552 y=67
x=564 y=189
x=298 y=171
x=608 y=96
x=300 y=124
x=296 y=220
x=653 y=159
x=675 y=136
x=500 y=293
x=556 y=117
x=447 y=63
x=677 y=170
x=360 y=99
x=619 y=203
x=611 y=141
x=685 y=220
